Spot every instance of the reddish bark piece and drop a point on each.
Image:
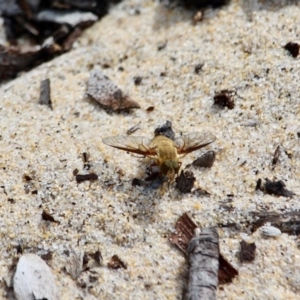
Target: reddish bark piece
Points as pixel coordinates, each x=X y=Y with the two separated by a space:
x=185 y=228
x=226 y=271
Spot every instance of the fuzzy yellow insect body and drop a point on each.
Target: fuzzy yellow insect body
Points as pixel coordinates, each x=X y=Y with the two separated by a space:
x=165 y=151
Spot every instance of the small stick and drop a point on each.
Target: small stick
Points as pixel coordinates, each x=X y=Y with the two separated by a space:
x=276 y=156
x=133 y=129
x=203 y=252
x=45 y=93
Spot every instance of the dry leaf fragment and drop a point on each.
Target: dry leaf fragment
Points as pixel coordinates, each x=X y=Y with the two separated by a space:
x=293 y=48
x=247 y=252
x=185 y=181
x=105 y=92
x=116 y=263
x=46 y=216
x=277 y=188
x=185 y=228
x=226 y=271
x=225 y=98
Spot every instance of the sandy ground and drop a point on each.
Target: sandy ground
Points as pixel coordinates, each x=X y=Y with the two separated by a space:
x=240 y=46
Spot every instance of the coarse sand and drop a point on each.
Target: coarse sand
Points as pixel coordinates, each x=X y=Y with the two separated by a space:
x=241 y=49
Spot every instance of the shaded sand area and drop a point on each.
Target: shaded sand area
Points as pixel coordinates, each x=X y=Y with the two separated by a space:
x=241 y=49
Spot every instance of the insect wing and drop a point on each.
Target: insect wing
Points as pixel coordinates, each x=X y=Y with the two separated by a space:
x=193 y=141
x=135 y=144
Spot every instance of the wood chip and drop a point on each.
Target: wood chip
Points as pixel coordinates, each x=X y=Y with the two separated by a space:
x=225 y=98
x=247 y=252
x=71 y=38
x=107 y=94
x=116 y=263
x=198 y=67
x=133 y=129
x=45 y=93
x=277 y=188
x=293 y=48
x=206 y=160
x=91 y=177
x=276 y=156
x=226 y=271
x=150 y=109
x=137 y=80
x=85 y=159
x=46 y=216
x=185 y=181
x=165 y=130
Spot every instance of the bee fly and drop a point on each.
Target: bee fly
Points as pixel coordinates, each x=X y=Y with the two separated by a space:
x=165 y=151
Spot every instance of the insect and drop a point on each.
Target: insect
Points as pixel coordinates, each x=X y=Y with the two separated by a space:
x=165 y=151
